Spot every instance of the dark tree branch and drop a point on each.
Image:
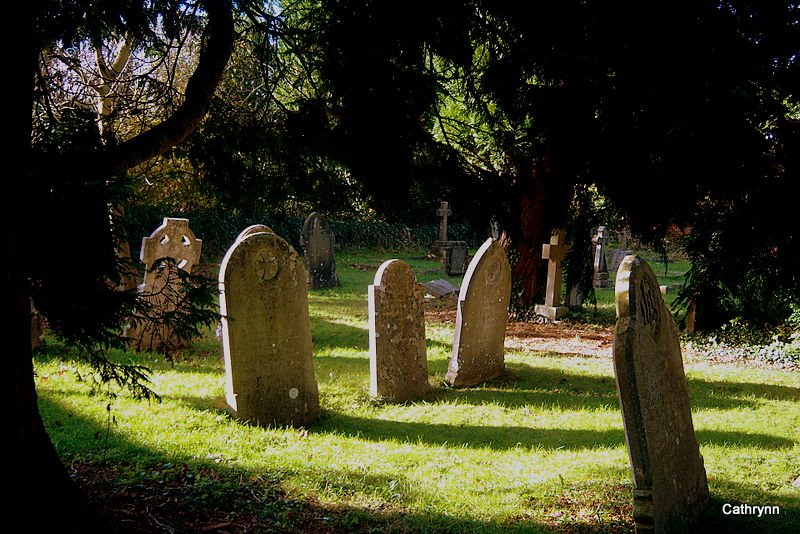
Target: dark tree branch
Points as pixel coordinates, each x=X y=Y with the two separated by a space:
x=162 y=137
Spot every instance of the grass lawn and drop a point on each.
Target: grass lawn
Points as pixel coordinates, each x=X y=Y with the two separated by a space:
x=541 y=450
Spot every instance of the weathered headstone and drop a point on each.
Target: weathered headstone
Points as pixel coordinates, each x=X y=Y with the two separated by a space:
x=670 y=490
x=554 y=252
x=318 y=242
x=398 y=360
x=600 y=277
x=266 y=333
x=456 y=254
x=175 y=241
x=617 y=255
x=481 y=318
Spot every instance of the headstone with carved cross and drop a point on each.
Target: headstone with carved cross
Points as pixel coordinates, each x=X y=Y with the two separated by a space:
x=554 y=253
x=266 y=333
x=600 y=267
x=172 y=241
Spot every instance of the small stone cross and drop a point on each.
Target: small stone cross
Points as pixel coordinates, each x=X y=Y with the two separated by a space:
x=554 y=252
x=443 y=212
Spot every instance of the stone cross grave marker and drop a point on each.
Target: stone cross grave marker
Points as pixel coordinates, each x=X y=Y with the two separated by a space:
x=554 y=252
x=266 y=333
x=398 y=361
x=600 y=267
x=318 y=241
x=176 y=241
x=443 y=212
x=481 y=318
x=670 y=490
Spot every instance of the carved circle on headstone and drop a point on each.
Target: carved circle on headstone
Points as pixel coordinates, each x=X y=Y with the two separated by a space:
x=266 y=265
x=493 y=270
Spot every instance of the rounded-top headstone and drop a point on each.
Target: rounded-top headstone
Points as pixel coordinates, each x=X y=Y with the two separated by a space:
x=318 y=243
x=670 y=488
x=481 y=318
x=254 y=229
x=266 y=333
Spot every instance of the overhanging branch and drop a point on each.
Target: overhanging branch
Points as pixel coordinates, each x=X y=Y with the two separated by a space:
x=174 y=129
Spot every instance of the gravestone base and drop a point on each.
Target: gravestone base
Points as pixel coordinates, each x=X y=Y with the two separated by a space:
x=438 y=250
x=553 y=313
x=601 y=280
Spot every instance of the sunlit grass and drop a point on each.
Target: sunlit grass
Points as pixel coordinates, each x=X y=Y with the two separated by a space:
x=539 y=450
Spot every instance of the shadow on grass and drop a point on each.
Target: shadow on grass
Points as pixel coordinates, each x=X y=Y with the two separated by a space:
x=326 y=335
x=509 y=437
x=148 y=490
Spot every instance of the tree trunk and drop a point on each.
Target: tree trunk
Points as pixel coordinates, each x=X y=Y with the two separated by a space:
x=543 y=203
x=44 y=498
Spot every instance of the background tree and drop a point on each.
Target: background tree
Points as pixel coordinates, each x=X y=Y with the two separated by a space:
x=64 y=179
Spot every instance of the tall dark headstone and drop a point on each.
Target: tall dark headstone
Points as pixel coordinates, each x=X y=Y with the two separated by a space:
x=318 y=243
x=670 y=490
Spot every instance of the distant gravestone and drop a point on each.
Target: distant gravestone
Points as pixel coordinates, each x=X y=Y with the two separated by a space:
x=397 y=353
x=172 y=240
x=318 y=242
x=600 y=277
x=266 y=333
x=440 y=288
x=456 y=254
x=481 y=318
x=439 y=248
x=670 y=490
x=443 y=212
x=554 y=252
x=617 y=255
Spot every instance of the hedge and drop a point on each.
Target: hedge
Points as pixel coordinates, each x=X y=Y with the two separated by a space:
x=218 y=229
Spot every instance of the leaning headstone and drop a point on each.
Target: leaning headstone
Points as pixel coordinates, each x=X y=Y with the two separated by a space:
x=173 y=240
x=318 y=242
x=554 y=252
x=670 y=490
x=600 y=267
x=398 y=362
x=481 y=318
x=440 y=288
x=266 y=333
